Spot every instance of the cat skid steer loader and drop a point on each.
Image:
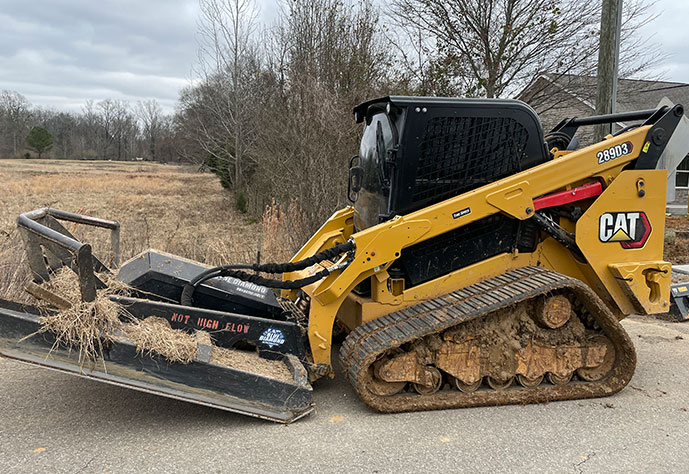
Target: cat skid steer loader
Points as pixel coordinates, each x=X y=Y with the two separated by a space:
x=482 y=263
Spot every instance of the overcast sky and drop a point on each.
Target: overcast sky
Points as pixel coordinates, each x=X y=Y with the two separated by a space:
x=59 y=53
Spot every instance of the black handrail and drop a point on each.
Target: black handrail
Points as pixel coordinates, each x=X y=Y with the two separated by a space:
x=612 y=118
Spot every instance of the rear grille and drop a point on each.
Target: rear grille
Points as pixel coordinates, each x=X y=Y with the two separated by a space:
x=458 y=154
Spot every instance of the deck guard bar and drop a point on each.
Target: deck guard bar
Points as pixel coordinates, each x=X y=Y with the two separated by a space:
x=49 y=246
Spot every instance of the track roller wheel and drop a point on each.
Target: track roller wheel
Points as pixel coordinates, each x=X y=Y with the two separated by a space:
x=377 y=385
x=528 y=382
x=594 y=374
x=498 y=384
x=466 y=387
x=559 y=380
x=437 y=379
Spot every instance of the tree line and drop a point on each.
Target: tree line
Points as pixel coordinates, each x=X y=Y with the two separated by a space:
x=106 y=130
x=269 y=109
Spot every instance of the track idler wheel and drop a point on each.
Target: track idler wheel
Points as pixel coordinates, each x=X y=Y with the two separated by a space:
x=380 y=387
x=384 y=389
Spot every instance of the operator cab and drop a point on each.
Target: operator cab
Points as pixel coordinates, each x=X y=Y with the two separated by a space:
x=417 y=151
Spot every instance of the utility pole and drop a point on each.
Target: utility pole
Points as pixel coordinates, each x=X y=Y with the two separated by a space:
x=608 y=53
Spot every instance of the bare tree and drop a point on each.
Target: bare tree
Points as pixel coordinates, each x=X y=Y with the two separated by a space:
x=125 y=131
x=283 y=109
x=89 y=125
x=117 y=129
x=493 y=48
x=151 y=115
x=14 y=109
x=325 y=56
x=227 y=66
x=105 y=118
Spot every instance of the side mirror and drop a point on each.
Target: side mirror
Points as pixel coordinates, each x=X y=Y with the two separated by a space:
x=356 y=175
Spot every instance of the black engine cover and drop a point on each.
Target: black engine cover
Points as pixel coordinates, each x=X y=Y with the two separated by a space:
x=161 y=276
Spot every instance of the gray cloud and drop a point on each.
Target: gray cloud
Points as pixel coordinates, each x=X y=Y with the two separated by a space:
x=670 y=32
x=61 y=53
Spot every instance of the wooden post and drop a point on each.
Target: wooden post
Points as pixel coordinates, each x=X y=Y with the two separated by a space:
x=606 y=64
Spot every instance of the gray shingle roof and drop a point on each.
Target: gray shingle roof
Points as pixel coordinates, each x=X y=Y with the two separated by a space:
x=632 y=94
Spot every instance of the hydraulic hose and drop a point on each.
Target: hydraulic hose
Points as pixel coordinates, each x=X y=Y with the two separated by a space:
x=235 y=271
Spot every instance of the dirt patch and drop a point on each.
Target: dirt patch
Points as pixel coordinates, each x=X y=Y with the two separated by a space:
x=680 y=223
x=676 y=251
x=676 y=246
x=671 y=318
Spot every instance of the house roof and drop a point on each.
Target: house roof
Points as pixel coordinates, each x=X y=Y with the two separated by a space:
x=632 y=94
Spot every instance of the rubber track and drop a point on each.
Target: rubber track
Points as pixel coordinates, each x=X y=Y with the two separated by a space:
x=369 y=341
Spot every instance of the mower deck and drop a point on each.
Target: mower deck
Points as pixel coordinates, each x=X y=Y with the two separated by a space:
x=199 y=382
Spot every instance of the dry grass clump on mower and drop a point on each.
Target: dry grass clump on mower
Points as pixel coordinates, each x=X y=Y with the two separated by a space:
x=250 y=362
x=154 y=335
x=89 y=326
x=86 y=326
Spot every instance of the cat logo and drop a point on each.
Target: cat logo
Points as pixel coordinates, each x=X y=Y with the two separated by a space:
x=630 y=229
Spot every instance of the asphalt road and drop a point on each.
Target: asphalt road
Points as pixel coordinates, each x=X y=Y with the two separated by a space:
x=58 y=423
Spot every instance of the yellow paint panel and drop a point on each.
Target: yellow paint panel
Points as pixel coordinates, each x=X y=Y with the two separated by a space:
x=647 y=284
x=513 y=200
x=622 y=196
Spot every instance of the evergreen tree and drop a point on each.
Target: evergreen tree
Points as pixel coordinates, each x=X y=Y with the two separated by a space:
x=39 y=140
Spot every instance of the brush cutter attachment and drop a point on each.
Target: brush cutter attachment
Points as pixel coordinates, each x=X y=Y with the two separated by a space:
x=254 y=365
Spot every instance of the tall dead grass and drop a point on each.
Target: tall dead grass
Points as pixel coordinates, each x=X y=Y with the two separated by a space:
x=14 y=270
x=284 y=231
x=169 y=208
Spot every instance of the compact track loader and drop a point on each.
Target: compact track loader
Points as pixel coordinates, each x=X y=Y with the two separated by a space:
x=481 y=264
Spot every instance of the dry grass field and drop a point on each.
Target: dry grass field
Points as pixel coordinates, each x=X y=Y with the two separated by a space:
x=169 y=208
